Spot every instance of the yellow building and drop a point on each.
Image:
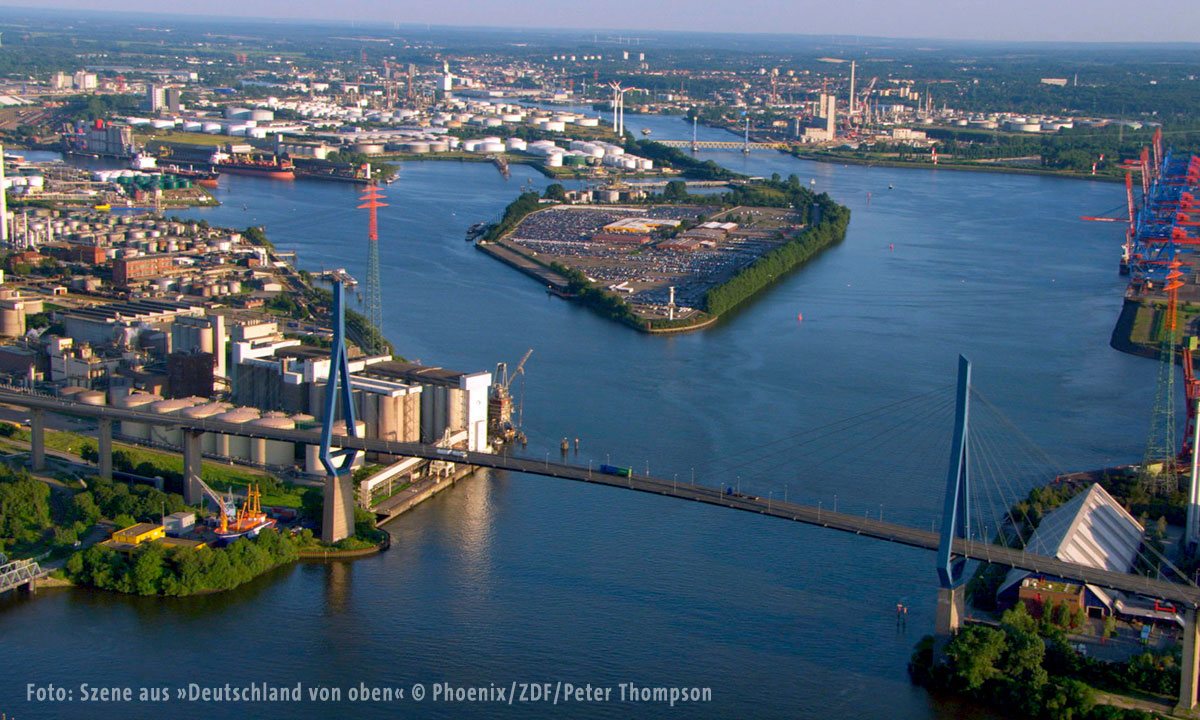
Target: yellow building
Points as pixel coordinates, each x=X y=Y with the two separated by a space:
x=138 y=534
x=129 y=538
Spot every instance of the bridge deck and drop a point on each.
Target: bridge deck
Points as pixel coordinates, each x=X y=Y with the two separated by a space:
x=1187 y=595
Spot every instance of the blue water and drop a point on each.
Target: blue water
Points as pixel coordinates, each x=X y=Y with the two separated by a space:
x=515 y=578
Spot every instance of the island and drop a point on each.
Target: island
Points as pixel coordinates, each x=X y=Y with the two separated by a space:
x=666 y=261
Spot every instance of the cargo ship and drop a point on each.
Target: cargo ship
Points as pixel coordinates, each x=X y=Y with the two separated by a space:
x=205 y=178
x=274 y=167
x=333 y=171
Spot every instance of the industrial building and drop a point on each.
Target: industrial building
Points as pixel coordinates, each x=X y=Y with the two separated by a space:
x=1090 y=529
x=396 y=401
x=121 y=322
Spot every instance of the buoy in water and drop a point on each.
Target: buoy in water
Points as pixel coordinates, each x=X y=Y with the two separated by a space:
x=799 y=317
x=891 y=246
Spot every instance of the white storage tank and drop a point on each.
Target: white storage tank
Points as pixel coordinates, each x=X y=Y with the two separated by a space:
x=272 y=452
x=167 y=434
x=554 y=160
x=515 y=143
x=262 y=115
x=439 y=146
x=208 y=441
x=136 y=401
x=212 y=128
x=235 y=446
x=90 y=397
x=417 y=147
x=490 y=147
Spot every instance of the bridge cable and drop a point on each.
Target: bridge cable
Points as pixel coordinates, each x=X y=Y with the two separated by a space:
x=843 y=421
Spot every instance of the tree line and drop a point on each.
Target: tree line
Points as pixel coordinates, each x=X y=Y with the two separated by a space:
x=830 y=228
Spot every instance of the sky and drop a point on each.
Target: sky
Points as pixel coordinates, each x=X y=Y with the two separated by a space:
x=1004 y=20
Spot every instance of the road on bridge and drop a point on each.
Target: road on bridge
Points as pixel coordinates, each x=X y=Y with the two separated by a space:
x=1187 y=595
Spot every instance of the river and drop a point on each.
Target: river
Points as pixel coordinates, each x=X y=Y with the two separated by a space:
x=515 y=578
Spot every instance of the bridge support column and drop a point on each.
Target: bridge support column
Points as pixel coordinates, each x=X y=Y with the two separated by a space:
x=192 y=492
x=338 y=516
x=106 y=449
x=955 y=519
x=1189 y=664
x=951 y=607
x=337 y=522
x=37 y=438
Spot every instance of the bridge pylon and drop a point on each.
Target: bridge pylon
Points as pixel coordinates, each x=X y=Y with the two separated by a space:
x=956 y=518
x=338 y=515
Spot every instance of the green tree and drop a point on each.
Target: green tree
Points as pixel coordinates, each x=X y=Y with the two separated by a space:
x=972 y=656
x=555 y=192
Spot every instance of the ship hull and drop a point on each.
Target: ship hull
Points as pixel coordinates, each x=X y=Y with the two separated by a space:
x=232 y=535
x=273 y=173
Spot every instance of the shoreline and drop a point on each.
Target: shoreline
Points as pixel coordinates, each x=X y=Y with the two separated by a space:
x=831 y=159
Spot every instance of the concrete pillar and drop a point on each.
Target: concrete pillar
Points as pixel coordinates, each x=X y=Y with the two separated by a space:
x=37 y=438
x=338 y=519
x=193 y=494
x=950 y=611
x=106 y=449
x=1188 y=664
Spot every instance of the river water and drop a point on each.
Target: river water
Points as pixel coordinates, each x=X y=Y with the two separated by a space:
x=515 y=578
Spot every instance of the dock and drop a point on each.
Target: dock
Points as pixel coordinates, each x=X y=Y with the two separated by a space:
x=557 y=283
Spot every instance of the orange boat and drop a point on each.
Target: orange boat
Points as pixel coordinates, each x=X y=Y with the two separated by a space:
x=249 y=521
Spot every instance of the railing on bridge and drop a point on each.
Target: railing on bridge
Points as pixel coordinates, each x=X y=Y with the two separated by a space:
x=17 y=573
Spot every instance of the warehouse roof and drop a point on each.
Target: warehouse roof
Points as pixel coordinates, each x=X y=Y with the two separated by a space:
x=1091 y=529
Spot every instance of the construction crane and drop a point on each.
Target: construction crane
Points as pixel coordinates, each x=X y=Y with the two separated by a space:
x=225 y=505
x=500 y=403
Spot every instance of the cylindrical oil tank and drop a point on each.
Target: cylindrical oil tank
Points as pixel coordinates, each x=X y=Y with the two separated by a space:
x=90 y=397
x=236 y=446
x=136 y=401
x=69 y=392
x=208 y=441
x=273 y=452
x=516 y=143
x=165 y=433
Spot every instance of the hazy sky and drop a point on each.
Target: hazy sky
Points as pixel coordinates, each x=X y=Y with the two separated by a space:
x=1053 y=20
